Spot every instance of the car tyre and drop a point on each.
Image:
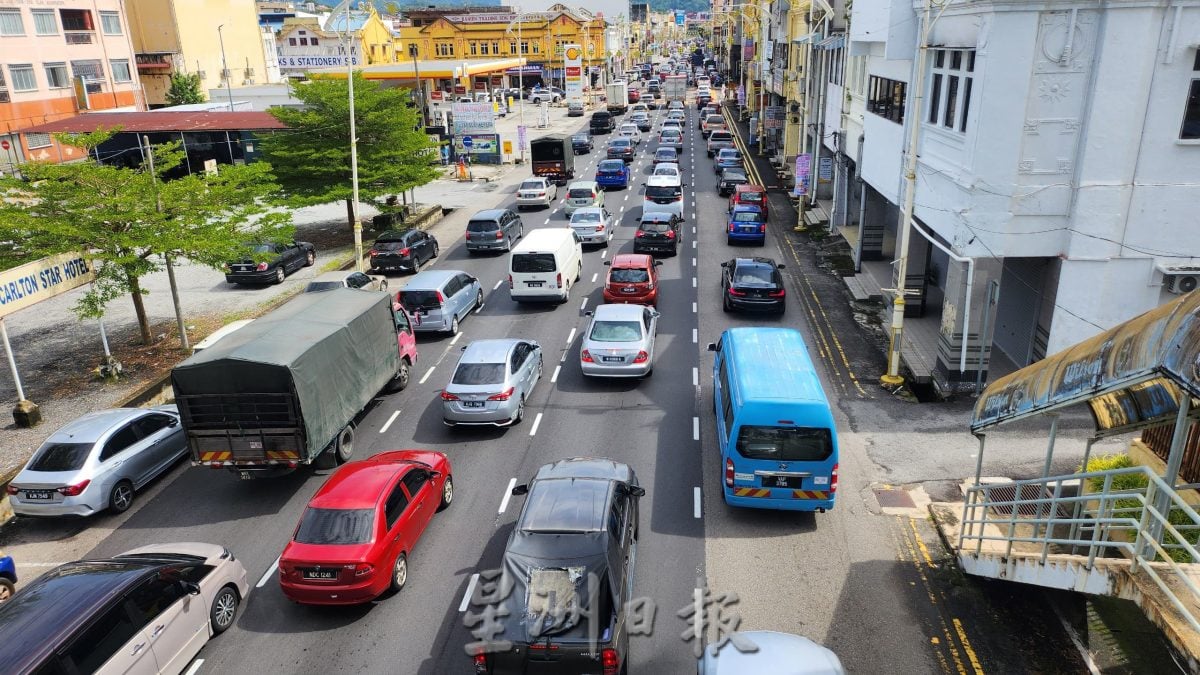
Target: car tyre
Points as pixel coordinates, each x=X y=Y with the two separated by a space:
x=520 y=412
x=454 y=326
x=399 y=572
x=343 y=445
x=436 y=251
x=725 y=306
x=6 y=590
x=479 y=299
x=310 y=259
x=280 y=275
x=447 y=493
x=121 y=497
x=224 y=610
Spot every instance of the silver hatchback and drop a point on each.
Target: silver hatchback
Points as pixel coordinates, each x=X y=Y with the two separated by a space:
x=619 y=342
x=491 y=382
x=98 y=461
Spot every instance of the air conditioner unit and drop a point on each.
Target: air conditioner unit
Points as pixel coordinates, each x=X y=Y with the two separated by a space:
x=1180 y=279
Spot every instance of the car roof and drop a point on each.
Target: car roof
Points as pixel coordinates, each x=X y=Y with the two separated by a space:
x=634 y=260
x=613 y=162
x=755 y=261
x=622 y=312
x=490 y=214
x=777 y=654
x=735 y=171
x=90 y=427
x=357 y=485
x=588 y=209
x=488 y=351
x=394 y=235
x=658 y=181
x=430 y=279
x=582 y=184
x=590 y=467
x=673 y=151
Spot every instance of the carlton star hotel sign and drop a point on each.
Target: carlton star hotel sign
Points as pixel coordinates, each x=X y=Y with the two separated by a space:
x=33 y=282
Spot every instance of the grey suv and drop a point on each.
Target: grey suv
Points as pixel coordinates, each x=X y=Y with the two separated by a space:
x=494 y=230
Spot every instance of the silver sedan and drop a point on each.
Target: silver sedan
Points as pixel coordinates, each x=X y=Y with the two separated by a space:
x=619 y=342
x=98 y=461
x=491 y=382
x=593 y=224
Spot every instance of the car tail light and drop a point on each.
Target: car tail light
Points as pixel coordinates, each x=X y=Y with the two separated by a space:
x=502 y=396
x=11 y=489
x=363 y=569
x=73 y=490
x=558 y=279
x=481 y=663
x=639 y=234
x=641 y=357
x=777 y=294
x=405 y=251
x=584 y=356
x=670 y=234
x=440 y=297
x=372 y=253
x=447 y=396
x=609 y=660
x=499 y=234
x=762 y=228
x=731 y=227
x=600 y=228
x=262 y=267
x=833 y=480
x=510 y=283
x=729 y=473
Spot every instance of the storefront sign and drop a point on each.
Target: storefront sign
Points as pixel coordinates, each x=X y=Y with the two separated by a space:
x=573 y=73
x=473 y=118
x=803 y=163
x=825 y=169
x=524 y=70
x=301 y=62
x=776 y=115
x=42 y=279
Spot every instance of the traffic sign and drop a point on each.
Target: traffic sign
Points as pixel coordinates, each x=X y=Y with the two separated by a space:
x=4 y=145
x=467 y=142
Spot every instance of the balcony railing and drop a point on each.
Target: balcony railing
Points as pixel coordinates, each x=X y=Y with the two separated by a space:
x=79 y=37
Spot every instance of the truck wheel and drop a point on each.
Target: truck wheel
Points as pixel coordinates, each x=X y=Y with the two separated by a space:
x=343 y=446
x=403 y=374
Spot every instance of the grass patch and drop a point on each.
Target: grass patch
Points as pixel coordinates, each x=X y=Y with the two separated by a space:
x=1132 y=507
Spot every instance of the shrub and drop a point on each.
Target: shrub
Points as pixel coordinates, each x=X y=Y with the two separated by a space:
x=1132 y=507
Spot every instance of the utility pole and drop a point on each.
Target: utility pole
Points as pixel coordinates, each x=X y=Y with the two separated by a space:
x=356 y=224
x=183 y=336
x=412 y=51
x=225 y=68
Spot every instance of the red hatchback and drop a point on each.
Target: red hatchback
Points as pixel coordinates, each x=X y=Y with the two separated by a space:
x=633 y=279
x=354 y=538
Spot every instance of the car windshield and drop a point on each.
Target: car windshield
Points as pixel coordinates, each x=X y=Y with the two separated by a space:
x=785 y=444
x=663 y=191
x=754 y=275
x=606 y=165
x=580 y=193
x=616 y=331
x=533 y=185
x=525 y=263
x=478 y=373
x=413 y=300
x=263 y=248
x=335 y=526
x=747 y=217
x=59 y=457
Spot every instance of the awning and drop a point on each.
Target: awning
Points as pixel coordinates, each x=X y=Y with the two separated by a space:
x=832 y=42
x=1130 y=376
x=811 y=37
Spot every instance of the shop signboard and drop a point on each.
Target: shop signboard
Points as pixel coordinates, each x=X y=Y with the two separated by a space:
x=473 y=118
x=803 y=163
x=573 y=72
x=482 y=148
x=776 y=115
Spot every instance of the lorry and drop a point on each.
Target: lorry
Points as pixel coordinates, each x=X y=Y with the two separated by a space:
x=675 y=88
x=553 y=157
x=616 y=93
x=286 y=390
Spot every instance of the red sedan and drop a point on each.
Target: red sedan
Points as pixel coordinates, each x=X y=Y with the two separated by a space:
x=354 y=538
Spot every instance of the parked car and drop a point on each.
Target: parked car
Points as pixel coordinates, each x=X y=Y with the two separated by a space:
x=438 y=300
x=775 y=654
x=632 y=278
x=277 y=261
x=658 y=231
x=402 y=250
x=667 y=168
x=544 y=96
x=727 y=158
x=621 y=148
x=747 y=224
x=718 y=140
x=752 y=284
x=346 y=279
x=575 y=109
x=98 y=462
x=583 y=511
x=583 y=193
x=619 y=342
x=491 y=382
x=582 y=144
x=593 y=224
x=494 y=230
x=666 y=155
x=730 y=180
x=612 y=173
x=536 y=192
x=149 y=610
x=354 y=538
x=754 y=195
x=8 y=578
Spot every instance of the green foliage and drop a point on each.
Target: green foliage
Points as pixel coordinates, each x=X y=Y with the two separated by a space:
x=312 y=158
x=127 y=220
x=184 y=89
x=1132 y=508
x=685 y=5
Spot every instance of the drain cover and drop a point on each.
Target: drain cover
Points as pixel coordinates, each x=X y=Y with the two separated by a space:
x=893 y=499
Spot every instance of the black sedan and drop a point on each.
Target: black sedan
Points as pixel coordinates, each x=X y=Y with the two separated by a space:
x=621 y=148
x=582 y=144
x=659 y=231
x=402 y=250
x=752 y=284
x=270 y=263
x=730 y=179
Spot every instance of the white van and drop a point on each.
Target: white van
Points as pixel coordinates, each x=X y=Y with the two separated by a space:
x=545 y=265
x=218 y=334
x=663 y=194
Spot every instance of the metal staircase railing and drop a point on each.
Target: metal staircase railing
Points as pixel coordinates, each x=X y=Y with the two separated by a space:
x=1151 y=524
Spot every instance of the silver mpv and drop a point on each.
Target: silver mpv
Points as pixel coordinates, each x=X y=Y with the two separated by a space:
x=491 y=382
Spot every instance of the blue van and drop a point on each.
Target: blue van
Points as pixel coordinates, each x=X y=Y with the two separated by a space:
x=774 y=426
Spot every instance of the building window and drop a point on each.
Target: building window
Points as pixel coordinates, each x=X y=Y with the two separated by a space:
x=953 y=73
x=111 y=23
x=886 y=98
x=312 y=42
x=473 y=47
x=524 y=46
x=56 y=75
x=291 y=42
x=483 y=48
x=21 y=75
x=120 y=70
x=33 y=141
x=537 y=47
x=835 y=65
x=76 y=19
x=496 y=48
x=444 y=49
x=10 y=22
x=44 y=22
x=1191 y=110
x=92 y=70
x=303 y=42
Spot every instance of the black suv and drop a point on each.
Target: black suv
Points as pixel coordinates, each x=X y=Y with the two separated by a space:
x=277 y=261
x=494 y=230
x=602 y=122
x=582 y=512
x=730 y=179
x=752 y=284
x=658 y=231
x=402 y=250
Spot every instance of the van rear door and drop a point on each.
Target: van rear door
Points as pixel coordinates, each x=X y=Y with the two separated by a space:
x=534 y=272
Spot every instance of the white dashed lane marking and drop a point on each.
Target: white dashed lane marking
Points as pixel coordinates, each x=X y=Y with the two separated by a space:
x=388 y=423
x=425 y=377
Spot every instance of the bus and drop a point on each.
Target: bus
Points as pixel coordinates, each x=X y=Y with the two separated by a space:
x=775 y=429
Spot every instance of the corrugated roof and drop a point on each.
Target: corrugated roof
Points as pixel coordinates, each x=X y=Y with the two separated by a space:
x=161 y=121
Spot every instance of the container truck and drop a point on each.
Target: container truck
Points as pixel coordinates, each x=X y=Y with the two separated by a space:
x=616 y=93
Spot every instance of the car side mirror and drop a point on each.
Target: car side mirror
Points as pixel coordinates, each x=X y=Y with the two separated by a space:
x=725 y=264
x=608 y=263
x=712 y=346
x=173 y=422
x=519 y=490
x=588 y=313
x=637 y=491
x=658 y=263
x=189 y=587
x=779 y=267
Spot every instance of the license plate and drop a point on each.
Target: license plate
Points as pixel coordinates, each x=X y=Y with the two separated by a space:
x=39 y=494
x=533 y=283
x=320 y=575
x=612 y=359
x=748 y=230
x=472 y=404
x=794 y=482
x=629 y=290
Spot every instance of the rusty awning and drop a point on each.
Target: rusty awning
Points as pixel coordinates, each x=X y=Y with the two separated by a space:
x=1130 y=376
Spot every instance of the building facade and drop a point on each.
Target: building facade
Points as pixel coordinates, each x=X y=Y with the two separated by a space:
x=58 y=61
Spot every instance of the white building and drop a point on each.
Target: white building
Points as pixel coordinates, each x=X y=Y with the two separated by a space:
x=304 y=45
x=1059 y=153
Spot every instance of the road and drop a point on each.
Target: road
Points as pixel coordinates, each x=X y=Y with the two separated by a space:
x=874 y=587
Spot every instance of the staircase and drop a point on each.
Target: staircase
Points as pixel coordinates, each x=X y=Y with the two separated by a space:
x=1134 y=543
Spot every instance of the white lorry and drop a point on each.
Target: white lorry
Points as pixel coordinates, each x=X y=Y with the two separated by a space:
x=675 y=88
x=617 y=94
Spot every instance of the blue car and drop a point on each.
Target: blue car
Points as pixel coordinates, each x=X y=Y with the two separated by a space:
x=612 y=173
x=747 y=224
x=8 y=578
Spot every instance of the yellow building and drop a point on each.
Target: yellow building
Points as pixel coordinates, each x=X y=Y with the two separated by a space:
x=172 y=36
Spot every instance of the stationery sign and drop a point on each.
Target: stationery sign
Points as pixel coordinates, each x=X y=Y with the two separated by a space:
x=573 y=72
x=803 y=164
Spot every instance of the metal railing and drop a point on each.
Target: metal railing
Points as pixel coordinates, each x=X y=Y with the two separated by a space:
x=1154 y=523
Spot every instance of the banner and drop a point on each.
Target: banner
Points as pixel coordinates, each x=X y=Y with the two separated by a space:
x=775 y=117
x=741 y=94
x=473 y=118
x=41 y=280
x=803 y=163
x=825 y=170
x=573 y=55
x=482 y=148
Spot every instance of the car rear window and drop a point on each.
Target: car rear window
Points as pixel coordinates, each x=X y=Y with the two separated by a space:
x=655 y=227
x=751 y=196
x=525 y=263
x=714 y=119
x=478 y=373
x=754 y=274
x=628 y=275
x=616 y=331
x=784 y=444
x=585 y=217
x=663 y=191
x=335 y=526
x=388 y=245
x=482 y=226
x=322 y=286
x=746 y=217
x=615 y=165
x=581 y=193
x=720 y=136
x=413 y=300
x=59 y=457
x=532 y=185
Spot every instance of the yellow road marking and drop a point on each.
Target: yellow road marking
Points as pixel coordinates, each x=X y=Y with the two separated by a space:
x=920 y=543
x=962 y=637
x=959 y=666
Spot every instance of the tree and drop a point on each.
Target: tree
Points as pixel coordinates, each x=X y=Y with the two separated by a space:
x=185 y=88
x=312 y=159
x=129 y=221
x=391 y=8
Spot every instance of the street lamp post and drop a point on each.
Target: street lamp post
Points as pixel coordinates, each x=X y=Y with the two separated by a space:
x=412 y=51
x=225 y=68
x=356 y=225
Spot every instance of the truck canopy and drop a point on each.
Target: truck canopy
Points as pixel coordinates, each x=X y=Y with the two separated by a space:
x=333 y=350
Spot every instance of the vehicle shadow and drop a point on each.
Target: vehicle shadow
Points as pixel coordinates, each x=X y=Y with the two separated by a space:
x=432 y=431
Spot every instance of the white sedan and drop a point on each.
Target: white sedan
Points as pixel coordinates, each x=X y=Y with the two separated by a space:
x=631 y=132
x=536 y=192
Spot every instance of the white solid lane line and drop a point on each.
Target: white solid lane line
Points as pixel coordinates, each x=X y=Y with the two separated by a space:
x=693 y=262
x=498 y=282
x=426 y=375
x=388 y=423
x=466 y=601
x=693 y=243
x=695 y=376
x=507 y=495
x=537 y=421
x=695 y=504
x=267 y=575
x=695 y=428
x=194 y=667
x=554 y=377
x=454 y=340
x=695 y=335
